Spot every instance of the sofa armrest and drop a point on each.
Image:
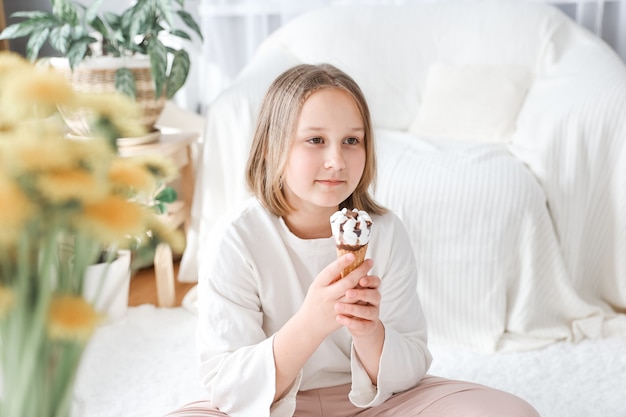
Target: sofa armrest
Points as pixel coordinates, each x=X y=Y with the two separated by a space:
x=572 y=134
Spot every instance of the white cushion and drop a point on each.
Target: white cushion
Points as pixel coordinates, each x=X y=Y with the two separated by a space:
x=471 y=103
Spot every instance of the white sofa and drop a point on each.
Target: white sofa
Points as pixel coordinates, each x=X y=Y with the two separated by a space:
x=500 y=128
x=517 y=211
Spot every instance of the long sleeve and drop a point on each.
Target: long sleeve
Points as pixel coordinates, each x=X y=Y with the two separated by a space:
x=238 y=313
x=236 y=356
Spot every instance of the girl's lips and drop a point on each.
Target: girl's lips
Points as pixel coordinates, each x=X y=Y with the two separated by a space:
x=330 y=182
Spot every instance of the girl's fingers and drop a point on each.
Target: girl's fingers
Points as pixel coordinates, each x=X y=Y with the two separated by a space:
x=357 y=326
x=333 y=270
x=357 y=311
x=369 y=281
x=363 y=295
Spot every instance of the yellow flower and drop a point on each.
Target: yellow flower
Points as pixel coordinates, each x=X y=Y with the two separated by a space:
x=122 y=111
x=7 y=300
x=95 y=151
x=128 y=174
x=112 y=219
x=161 y=168
x=11 y=61
x=35 y=147
x=33 y=93
x=15 y=210
x=71 y=318
x=109 y=104
x=62 y=185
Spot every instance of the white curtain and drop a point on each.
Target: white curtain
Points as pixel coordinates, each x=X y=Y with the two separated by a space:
x=234 y=28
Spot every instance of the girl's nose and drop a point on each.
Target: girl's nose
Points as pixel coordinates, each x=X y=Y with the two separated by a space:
x=334 y=159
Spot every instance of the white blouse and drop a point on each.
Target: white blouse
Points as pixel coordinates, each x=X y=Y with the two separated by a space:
x=253 y=281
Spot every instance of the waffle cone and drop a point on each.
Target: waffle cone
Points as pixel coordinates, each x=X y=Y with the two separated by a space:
x=359 y=257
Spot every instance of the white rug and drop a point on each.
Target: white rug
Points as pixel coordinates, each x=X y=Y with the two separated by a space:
x=143 y=365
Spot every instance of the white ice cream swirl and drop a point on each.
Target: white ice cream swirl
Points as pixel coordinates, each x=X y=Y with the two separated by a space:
x=351 y=228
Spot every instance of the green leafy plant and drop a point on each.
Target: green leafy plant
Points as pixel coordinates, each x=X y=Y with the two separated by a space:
x=78 y=32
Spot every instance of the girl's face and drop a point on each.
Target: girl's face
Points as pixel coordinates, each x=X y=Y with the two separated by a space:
x=327 y=155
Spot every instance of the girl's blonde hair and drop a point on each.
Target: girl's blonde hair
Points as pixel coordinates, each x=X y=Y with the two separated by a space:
x=276 y=127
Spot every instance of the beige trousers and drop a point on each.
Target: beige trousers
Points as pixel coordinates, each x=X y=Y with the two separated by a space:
x=432 y=397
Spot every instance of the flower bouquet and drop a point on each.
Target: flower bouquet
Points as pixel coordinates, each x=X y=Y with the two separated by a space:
x=63 y=205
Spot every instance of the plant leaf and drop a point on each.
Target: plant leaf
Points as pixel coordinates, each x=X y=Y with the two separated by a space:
x=141 y=13
x=158 y=64
x=178 y=73
x=91 y=13
x=35 y=42
x=138 y=49
x=190 y=22
x=32 y=14
x=77 y=51
x=166 y=195
x=117 y=35
x=126 y=18
x=125 y=82
x=180 y=34
x=99 y=25
x=59 y=38
x=67 y=11
x=28 y=27
x=17 y=30
x=160 y=208
x=165 y=7
x=112 y=20
x=80 y=32
x=109 y=49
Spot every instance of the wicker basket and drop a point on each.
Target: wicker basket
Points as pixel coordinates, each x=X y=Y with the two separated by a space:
x=93 y=80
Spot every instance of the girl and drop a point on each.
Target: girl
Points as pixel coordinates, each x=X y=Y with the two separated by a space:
x=277 y=334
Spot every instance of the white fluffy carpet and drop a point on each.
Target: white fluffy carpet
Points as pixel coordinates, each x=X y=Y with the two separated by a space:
x=143 y=365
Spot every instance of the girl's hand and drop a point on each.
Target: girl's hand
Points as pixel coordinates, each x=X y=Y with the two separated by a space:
x=359 y=313
x=359 y=310
x=318 y=308
x=298 y=339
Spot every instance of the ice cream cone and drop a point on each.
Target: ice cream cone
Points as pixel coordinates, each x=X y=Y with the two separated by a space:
x=359 y=257
x=351 y=231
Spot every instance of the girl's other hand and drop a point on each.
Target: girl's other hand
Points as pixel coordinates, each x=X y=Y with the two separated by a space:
x=359 y=310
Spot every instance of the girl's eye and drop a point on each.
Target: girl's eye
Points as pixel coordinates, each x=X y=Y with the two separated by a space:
x=351 y=141
x=315 y=140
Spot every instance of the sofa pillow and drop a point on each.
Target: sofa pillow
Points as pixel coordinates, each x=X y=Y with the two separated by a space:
x=471 y=103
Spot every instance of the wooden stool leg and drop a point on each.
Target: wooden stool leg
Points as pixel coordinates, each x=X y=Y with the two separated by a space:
x=164 y=275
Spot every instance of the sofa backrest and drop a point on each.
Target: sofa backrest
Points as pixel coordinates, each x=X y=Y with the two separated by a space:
x=389 y=50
